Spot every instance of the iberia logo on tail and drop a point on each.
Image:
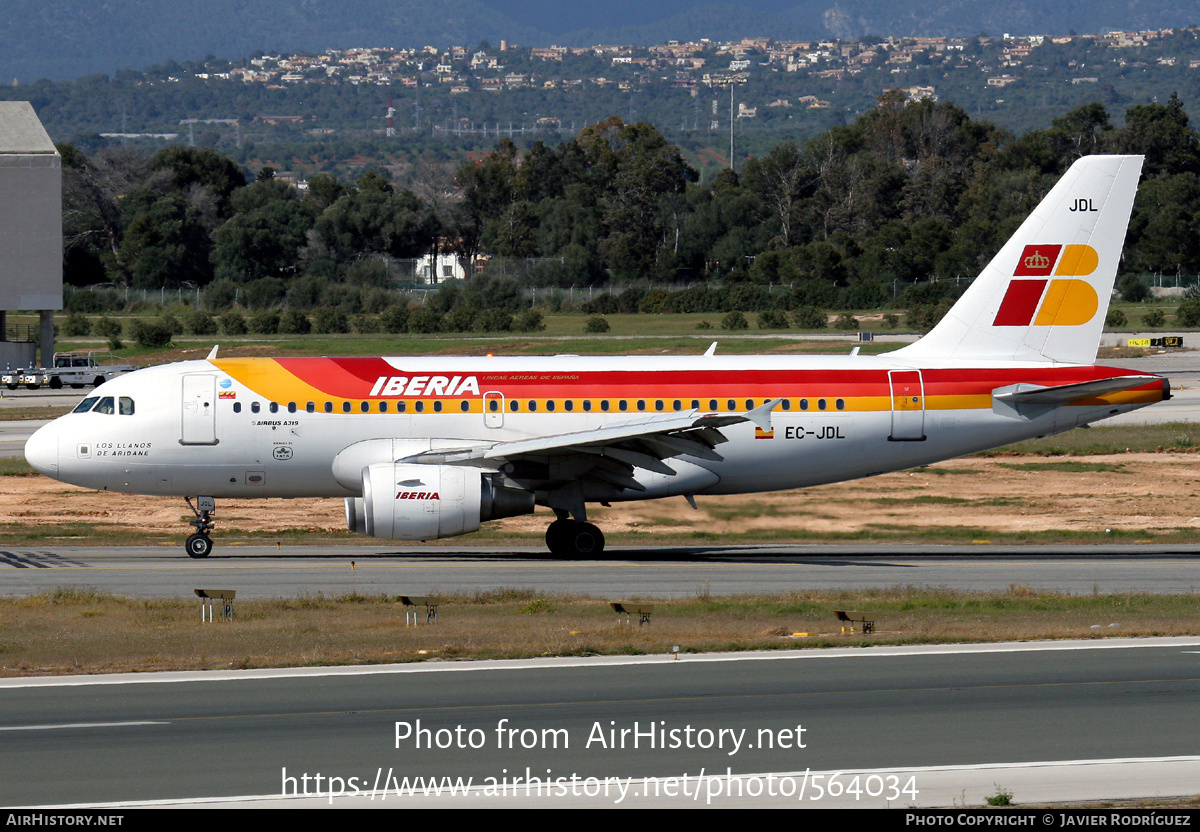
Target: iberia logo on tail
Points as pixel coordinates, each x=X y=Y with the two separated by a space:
x=1062 y=301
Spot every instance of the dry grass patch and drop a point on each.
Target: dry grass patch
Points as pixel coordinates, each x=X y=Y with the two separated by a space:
x=72 y=631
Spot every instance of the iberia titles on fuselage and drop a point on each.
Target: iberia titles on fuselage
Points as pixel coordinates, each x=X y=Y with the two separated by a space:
x=422 y=448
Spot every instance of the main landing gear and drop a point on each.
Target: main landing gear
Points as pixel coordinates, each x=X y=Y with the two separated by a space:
x=199 y=545
x=571 y=538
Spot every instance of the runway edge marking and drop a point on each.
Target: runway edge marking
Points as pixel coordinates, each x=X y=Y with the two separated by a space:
x=882 y=651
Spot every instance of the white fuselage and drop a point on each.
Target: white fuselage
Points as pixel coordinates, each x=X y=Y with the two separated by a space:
x=253 y=428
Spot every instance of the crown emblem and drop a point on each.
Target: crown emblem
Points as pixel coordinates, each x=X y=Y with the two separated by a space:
x=1037 y=261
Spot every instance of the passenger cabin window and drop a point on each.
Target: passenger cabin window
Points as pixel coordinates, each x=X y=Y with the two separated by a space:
x=254 y=408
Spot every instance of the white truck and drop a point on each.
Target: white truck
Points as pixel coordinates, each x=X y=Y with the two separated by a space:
x=77 y=369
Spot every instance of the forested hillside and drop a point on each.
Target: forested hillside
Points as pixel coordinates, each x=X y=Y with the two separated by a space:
x=64 y=39
x=908 y=198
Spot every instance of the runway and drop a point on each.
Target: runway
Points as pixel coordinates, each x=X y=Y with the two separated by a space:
x=661 y=571
x=1050 y=721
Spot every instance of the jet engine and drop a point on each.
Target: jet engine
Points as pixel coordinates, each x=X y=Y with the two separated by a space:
x=425 y=502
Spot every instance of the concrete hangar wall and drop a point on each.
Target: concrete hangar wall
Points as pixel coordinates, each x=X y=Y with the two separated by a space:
x=30 y=230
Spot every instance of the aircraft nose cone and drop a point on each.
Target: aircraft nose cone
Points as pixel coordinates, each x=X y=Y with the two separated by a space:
x=41 y=450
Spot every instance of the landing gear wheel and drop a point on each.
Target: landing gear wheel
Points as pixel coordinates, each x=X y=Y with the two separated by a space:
x=558 y=537
x=198 y=545
x=570 y=538
x=588 y=539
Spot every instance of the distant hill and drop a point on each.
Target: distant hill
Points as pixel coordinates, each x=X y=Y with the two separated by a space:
x=64 y=39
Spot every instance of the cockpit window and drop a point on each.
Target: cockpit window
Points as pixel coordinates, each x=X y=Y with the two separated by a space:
x=86 y=405
x=126 y=405
x=105 y=405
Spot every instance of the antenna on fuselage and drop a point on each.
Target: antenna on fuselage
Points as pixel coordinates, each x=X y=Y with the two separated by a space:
x=712 y=349
x=213 y=355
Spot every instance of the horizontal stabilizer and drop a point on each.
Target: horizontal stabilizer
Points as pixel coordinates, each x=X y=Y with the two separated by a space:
x=1067 y=393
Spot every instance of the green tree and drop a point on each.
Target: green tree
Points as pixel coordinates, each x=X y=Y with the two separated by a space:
x=1132 y=289
x=150 y=334
x=233 y=323
x=264 y=236
x=1188 y=313
x=203 y=167
x=166 y=243
x=783 y=178
x=1162 y=134
x=734 y=321
x=376 y=218
x=1162 y=234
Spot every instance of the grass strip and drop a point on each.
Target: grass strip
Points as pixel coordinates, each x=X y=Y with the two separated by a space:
x=82 y=630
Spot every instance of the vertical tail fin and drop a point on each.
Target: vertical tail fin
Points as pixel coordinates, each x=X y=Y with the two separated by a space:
x=1045 y=296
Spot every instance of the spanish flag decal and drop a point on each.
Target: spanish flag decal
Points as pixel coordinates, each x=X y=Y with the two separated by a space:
x=759 y=433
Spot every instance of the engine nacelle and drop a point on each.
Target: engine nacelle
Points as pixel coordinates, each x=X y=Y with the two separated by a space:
x=426 y=502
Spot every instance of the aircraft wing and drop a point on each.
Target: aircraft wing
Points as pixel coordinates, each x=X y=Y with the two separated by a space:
x=610 y=454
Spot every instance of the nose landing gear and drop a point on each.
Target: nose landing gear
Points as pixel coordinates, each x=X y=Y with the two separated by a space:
x=199 y=544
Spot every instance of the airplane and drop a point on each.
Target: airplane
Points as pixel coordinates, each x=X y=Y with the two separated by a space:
x=429 y=448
